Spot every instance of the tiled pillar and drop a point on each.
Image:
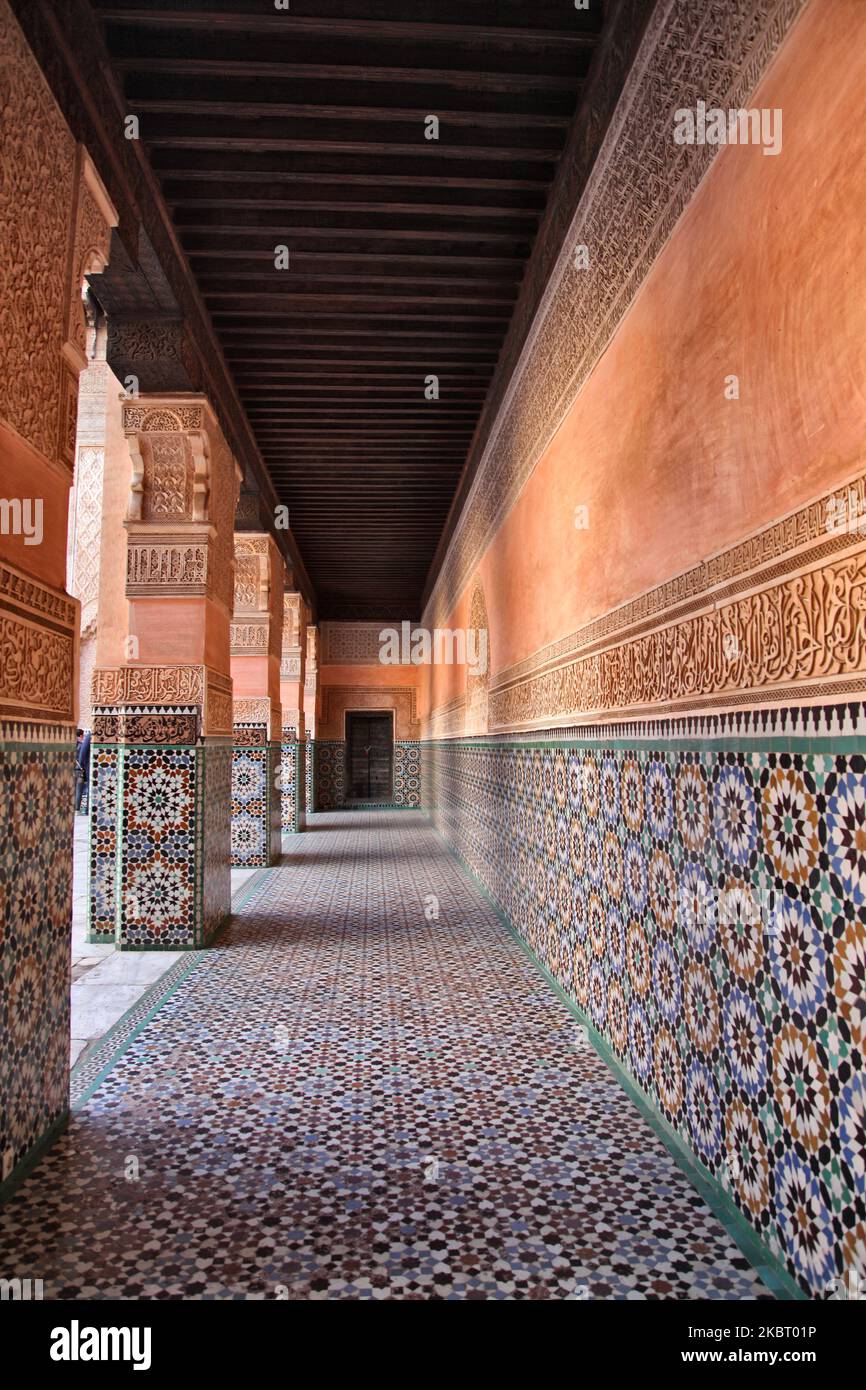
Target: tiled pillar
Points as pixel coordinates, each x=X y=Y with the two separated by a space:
x=257 y=634
x=55 y=221
x=311 y=710
x=292 y=668
x=162 y=692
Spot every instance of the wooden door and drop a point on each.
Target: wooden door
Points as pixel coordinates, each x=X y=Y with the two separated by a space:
x=370 y=757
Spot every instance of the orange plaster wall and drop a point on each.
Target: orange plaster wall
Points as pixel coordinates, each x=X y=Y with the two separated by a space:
x=291 y=695
x=409 y=676
x=173 y=630
x=251 y=675
x=760 y=278
x=364 y=677
x=311 y=702
x=24 y=473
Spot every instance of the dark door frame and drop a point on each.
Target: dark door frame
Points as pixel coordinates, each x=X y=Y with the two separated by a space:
x=350 y=714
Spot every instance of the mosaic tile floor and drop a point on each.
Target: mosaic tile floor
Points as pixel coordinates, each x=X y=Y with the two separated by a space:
x=366 y=1090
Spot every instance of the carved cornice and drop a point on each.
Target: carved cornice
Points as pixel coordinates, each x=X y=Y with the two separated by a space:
x=169 y=564
x=249 y=639
x=170 y=449
x=778 y=618
x=252 y=597
x=718 y=50
x=259 y=710
x=182 y=498
x=38 y=627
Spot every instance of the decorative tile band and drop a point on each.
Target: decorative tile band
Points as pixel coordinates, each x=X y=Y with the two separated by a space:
x=291 y=784
x=35 y=910
x=256 y=801
x=707 y=914
x=330 y=765
x=159 y=844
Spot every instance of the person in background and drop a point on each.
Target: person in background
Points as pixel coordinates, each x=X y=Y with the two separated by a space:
x=82 y=769
x=79 y=735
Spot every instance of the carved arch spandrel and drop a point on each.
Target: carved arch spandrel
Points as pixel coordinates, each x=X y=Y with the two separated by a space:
x=478 y=676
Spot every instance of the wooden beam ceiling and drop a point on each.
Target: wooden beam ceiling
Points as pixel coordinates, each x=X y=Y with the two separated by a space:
x=305 y=128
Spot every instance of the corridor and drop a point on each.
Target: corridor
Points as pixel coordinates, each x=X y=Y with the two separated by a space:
x=348 y=1097
x=433 y=548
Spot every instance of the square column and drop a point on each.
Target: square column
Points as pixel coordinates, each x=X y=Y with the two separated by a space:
x=256 y=643
x=311 y=707
x=292 y=667
x=161 y=756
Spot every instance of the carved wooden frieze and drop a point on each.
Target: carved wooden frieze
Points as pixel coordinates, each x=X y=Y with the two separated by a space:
x=158 y=352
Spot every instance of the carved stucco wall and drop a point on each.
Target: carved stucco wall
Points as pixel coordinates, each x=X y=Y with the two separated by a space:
x=644 y=609
x=36 y=209
x=641 y=185
x=338 y=699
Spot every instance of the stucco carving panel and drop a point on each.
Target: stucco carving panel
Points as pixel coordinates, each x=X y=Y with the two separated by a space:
x=36 y=209
x=640 y=185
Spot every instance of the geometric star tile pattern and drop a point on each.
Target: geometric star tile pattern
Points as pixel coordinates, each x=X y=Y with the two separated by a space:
x=706 y=912
x=365 y=1089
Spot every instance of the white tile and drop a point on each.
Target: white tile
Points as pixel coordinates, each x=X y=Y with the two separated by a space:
x=96 y=1007
x=132 y=967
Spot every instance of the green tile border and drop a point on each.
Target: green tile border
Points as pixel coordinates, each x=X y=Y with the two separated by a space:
x=735 y=743
x=775 y=1277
